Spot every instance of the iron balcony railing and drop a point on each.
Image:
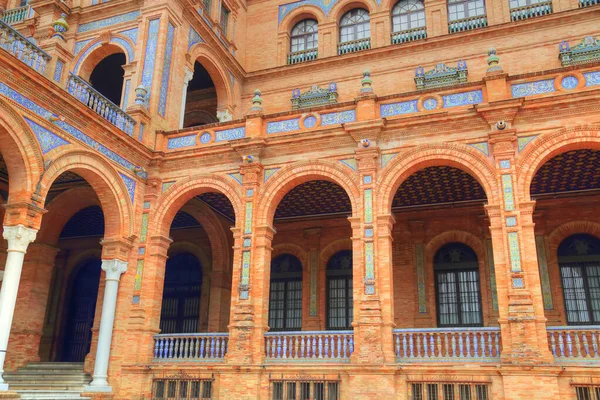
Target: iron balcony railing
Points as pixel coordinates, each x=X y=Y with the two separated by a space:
x=409 y=35
x=191 y=347
x=332 y=346
x=16 y=15
x=447 y=344
x=587 y=3
x=574 y=343
x=108 y=110
x=354 y=46
x=531 y=11
x=467 y=24
x=20 y=47
x=297 y=57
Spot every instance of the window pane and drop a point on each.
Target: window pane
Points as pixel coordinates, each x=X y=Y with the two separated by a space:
x=574 y=294
x=447 y=299
x=593 y=275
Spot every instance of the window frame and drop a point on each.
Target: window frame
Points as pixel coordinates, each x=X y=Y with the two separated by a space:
x=345 y=275
x=287 y=278
x=466 y=9
x=354 y=26
x=396 y=15
x=224 y=19
x=305 y=36
x=459 y=303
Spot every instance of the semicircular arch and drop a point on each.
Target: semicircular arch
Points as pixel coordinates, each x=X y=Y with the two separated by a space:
x=205 y=56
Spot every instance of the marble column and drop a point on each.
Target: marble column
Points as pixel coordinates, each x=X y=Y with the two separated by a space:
x=113 y=269
x=186 y=80
x=18 y=237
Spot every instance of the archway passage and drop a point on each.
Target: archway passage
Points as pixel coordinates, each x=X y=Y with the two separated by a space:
x=81 y=310
x=107 y=77
x=438 y=278
x=201 y=100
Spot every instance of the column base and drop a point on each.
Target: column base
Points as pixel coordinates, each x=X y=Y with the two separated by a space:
x=97 y=389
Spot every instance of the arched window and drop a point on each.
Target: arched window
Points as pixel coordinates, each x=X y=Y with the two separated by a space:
x=579 y=261
x=408 y=14
x=304 y=35
x=339 y=291
x=285 y=298
x=355 y=25
x=181 y=296
x=461 y=9
x=457 y=286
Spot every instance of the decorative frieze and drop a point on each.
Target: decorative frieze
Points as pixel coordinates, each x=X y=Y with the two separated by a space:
x=532 y=88
x=314 y=97
x=150 y=55
x=441 y=76
x=341 y=117
x=194 y=38
x=350 y=162
x=524 y=141
x=106 y=22
x=515 y=251
x=588 y=50
x=130 y=185
x=507 y=189
x=181 y=142
x=540 y=245
x=286 y=125
x=482 y=147
x=166 y=71
x=47 y=140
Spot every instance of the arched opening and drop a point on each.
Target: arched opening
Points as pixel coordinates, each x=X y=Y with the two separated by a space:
x=355 y=31
x=408 y=15
x=340 y=308
x=304 y=41
x=446 y=283
x=181 y=295
x=201 y=99
x=107 y=77
x=458 y=298
x=285 y=295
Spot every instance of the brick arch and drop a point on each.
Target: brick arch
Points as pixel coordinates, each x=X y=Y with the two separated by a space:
x=186 y=189
x=196 y=251
x=332 y=248
x=97 y=51
x=570 y=228
x=202 y=53
x=340 y=8
x=458 y=156
x=21 y=152
x=106 y=183
x=545 y=147
x=61 y=209
x=293 y=249
x=295 y=174
x=307 y=11
x=454 y=236
x=388 y=5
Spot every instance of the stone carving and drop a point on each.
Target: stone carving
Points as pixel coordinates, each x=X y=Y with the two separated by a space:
x=18 y=237
x=114 y=269
x=314 y=97
x=60 y=27
x=441 y=76
x=256 y=101
x=493 y=61
x=224 y=115
x=367 y=83
x=588 y=50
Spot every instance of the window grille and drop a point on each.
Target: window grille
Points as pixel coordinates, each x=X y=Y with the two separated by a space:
x=408 y=14
x=339 y=291
x=182 y=387
x=355 y=25
x=285 y=389
x=463 y=9
x=449 y=391
x=587 y=392
x=285 y=299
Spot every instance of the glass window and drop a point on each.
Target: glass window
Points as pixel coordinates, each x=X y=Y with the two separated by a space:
x=339 y=291
x=224 y=19
x=523 y=3
x=461 y=9
x=304 y=35
x=285 y=299
x=457 y=286
x=207 y=5
x=408 y=14
x=355 y=25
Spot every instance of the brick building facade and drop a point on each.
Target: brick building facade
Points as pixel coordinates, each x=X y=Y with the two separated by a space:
x=320 y=199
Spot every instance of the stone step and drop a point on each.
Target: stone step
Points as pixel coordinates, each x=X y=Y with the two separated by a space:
x=54 y=366
x=46 y=387
x=45 y=374
x=50 y=395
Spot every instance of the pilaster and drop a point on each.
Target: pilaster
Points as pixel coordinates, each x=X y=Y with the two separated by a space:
x=436 y=17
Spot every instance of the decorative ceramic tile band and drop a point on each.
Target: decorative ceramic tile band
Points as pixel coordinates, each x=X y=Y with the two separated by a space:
x=166 y=185
x=367 y=179
x=150 y=55
x=369 y=269
x=324 y=5
x=247 y=242
x=103 y=23
x=130 y=184
x=518 y=283
x=462 y=99
x=245 y=278
x=146 y=205
x=511 y=221
x=131 y=34
x=368 y=206
x=482 y=147
x=369 y=232
x=420 y=265
x=194 y=38
x=314 y=257
x=139 y=270
x=540 y=245
x=386 y=158
x=126 y=95
x=532 y=88
x=164 y=84
x=58 y=70
x=46 y=139
x=592 y=78
x=237 y=176
x=504 y=164
x=287 y=125
x=230 y=134
x=248 y=218
x=338 y=117
x=142 y=251
x=126 y=45
x=515 y=252
x=269 y=172
x=80 y=45
x=144 y=229
x=507 y=188
x=393 y=109
x=492 y=272
x=524 y=141
x=181 y=142
x=350 y=162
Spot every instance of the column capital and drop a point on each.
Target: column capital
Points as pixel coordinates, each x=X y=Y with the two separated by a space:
x=19 y=237
x=114 y=269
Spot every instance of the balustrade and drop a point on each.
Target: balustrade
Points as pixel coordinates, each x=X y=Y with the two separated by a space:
x=89 y=96
x=354 y=46
x=16 y=15
x=587 y=3
x=302 y=56
x=574 y=343
x=190 y=346
x=409 y=35
x=467 y=24
x=531 y=11
x=445 y=344
x=20 y=47
x=314 y=346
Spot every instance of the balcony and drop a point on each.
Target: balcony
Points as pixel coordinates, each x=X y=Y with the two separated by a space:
x=108 y=110
x=409 y=35
x=305 y=346
x=531 y=11
x=16 y=15
x=447 y=344
x=18 y=45
x=588 y=3
x=467 y=24
x=354 y=46
x=578 y=344
x=190 y=347
x=302 y=56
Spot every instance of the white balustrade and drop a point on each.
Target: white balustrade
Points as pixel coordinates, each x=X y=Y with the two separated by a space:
x=332 y=346
x=89 y=96
x=16 y=15
x=20 y=47
x=445 y=344
x=191 y=347
x=574 y=343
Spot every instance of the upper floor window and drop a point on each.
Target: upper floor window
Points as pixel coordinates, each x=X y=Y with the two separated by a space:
x=224 y=19
x=207 y=5
x=304 y=35
x=355 y=25
x=408 y=14
x=285 y=298
x=340 y=306
x=524 y=3
x=461 y=9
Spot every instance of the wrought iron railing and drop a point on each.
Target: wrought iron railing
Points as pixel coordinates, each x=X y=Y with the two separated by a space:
x=587 y=3
x=444 y=344
x=531 y=11
x=333 y=346
x=297 y=57
x=409 y=35
x=191 y=347
x=16 y=15
x=467 y=24
x=18 y=45
x=89 y=96
x=354 y=46
x=574 y=343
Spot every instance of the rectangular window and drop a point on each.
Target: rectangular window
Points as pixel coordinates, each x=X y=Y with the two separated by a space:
x=207 y=6
x=449 y=391
x=459 y=302
x=182 y=387
x=340 y=303
x=224 y=19
x=305 y=390
x=285 y=304
x=581 y=291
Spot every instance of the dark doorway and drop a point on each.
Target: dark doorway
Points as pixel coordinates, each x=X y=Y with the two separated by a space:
x=81 y=310
x=107 y=77
x=181 y=296
x=201 y=100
